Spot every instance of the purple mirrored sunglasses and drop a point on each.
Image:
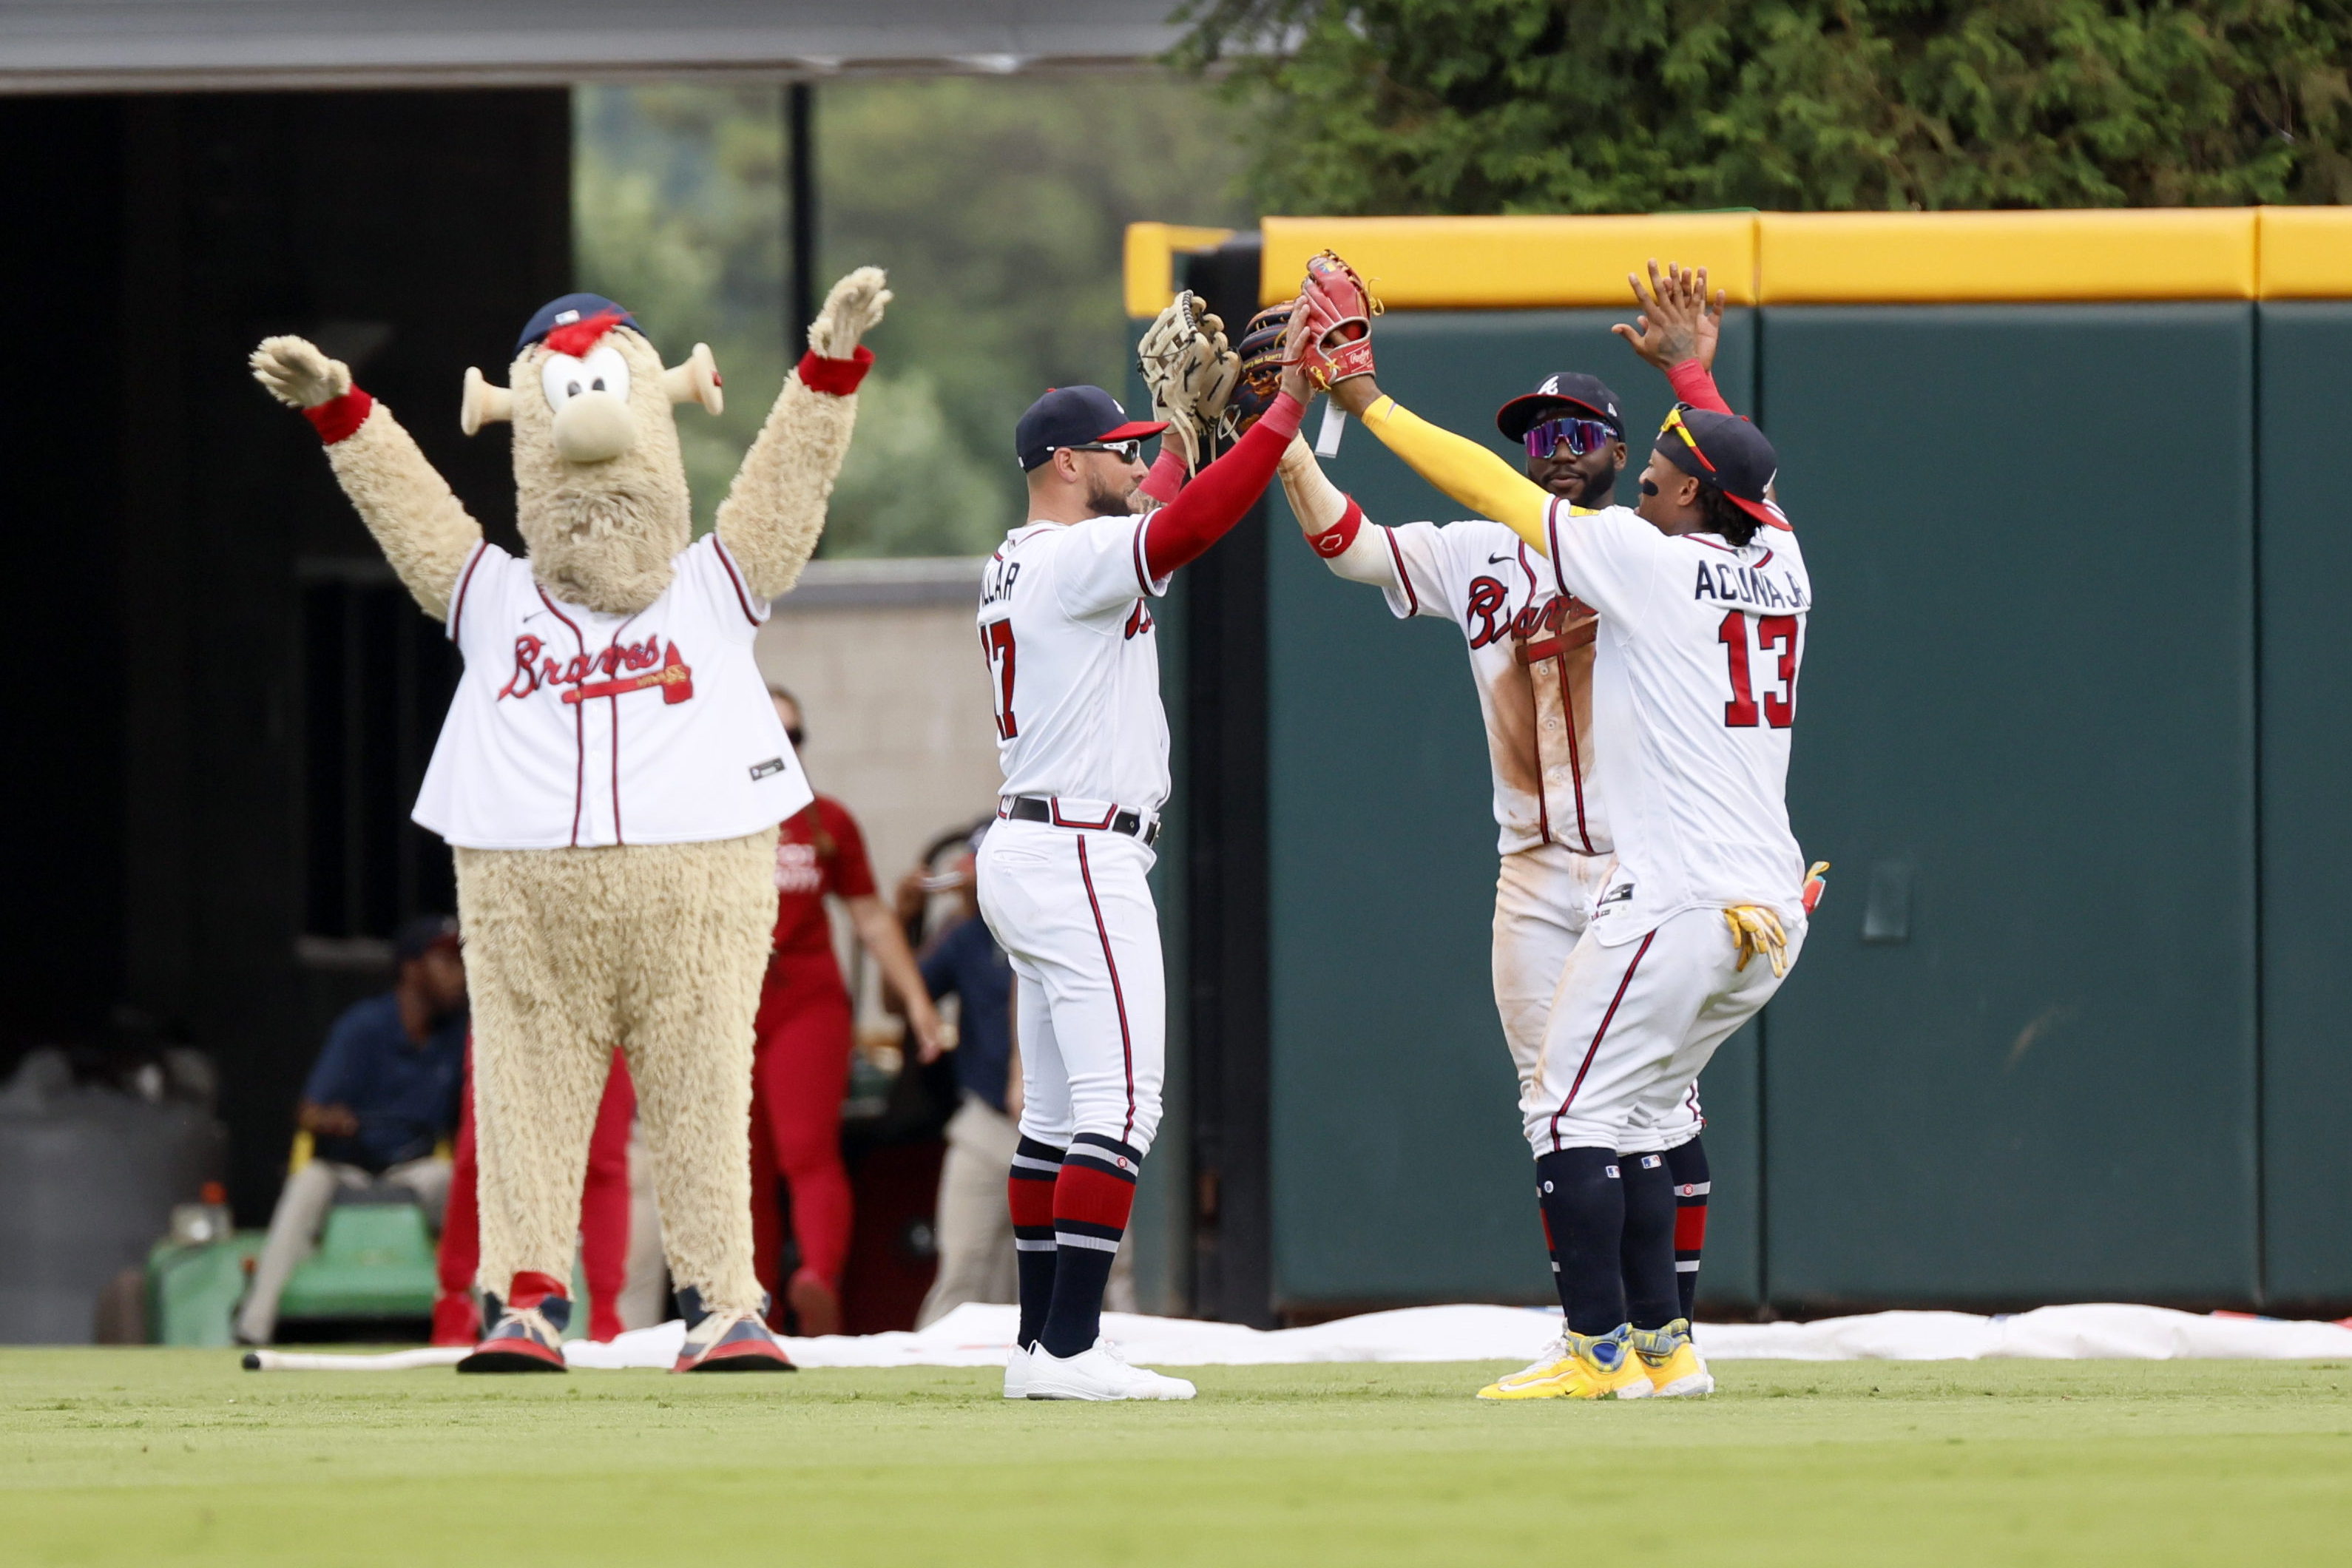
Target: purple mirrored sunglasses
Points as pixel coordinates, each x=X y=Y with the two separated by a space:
x=1582 y=435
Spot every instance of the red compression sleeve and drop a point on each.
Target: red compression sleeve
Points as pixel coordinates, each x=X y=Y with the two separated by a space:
x=1181 y=531
x=1694 y=385
x=1168 y=475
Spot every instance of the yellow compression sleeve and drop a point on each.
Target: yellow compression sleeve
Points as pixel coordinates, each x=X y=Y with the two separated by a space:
x=1463 y=470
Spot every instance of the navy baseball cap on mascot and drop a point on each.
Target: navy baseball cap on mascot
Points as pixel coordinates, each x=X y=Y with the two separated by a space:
x=589 y=316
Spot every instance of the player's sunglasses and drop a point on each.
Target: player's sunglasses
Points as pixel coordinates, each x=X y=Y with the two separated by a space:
x=1125 y=451
x=1674 y=423
x=1579 y=436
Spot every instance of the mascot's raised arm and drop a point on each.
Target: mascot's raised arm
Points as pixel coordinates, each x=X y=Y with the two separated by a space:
x=610 y=776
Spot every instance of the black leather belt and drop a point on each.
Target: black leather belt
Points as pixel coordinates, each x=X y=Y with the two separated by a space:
x=1037 y=809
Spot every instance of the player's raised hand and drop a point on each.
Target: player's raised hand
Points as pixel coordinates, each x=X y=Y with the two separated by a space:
x=298 y=373
x=1297 y=372
x=1678 y=321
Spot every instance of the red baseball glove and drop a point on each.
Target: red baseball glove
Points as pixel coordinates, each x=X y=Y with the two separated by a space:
x=1340 y=309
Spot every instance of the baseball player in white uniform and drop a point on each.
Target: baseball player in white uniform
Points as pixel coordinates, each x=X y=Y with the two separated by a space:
x=1066 y=624
x=1700 y=598
x=1531 y=653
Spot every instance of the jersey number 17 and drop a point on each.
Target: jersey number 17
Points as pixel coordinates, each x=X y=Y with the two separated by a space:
x=996 y=646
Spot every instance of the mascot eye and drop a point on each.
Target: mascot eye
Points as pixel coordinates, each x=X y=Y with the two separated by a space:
x=562 y=377
x=607 y=369
x=601 y=369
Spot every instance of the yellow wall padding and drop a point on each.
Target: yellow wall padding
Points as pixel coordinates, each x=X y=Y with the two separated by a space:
x=1151 y=261
x=2307 y=253
x=1510 y=263
x=1787 y=258
x=1988 y=256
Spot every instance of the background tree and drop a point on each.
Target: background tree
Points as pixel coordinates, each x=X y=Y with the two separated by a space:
x=1503 y=106
x=1000 y=207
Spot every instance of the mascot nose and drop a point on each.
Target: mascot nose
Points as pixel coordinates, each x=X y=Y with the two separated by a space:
x=593 y=428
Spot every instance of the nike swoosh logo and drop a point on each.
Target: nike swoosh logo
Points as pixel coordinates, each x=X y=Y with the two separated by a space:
x=1496 y=560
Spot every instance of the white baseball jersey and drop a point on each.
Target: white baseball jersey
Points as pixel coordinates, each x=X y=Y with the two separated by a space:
x=1531 y=650
x=1694 y=696
x=571 y=727
x=1074 y=664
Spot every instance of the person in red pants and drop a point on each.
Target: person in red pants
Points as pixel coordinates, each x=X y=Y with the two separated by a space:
x=799 y=1068
x=603 y=1217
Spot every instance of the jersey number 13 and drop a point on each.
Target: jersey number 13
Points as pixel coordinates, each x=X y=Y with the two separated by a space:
x=1779 y=709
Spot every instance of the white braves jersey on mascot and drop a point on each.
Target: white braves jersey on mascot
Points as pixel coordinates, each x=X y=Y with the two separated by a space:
x=1695 y=693
x=1073 y=665
x=1073 y=662
x=571 y=727
x=1531 y=655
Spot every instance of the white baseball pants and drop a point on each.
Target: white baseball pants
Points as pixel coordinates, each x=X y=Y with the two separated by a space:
x=1543 y=900
x=1074 y=913
x=1632 y=1025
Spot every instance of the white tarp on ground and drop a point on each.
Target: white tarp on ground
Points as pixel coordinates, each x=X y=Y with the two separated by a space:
x=977 y=1335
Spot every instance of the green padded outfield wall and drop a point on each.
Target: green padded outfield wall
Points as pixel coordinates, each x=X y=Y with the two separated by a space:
x=2026 y=740
x=2306 y=775
x=2028 y=743
x=1398 y=1170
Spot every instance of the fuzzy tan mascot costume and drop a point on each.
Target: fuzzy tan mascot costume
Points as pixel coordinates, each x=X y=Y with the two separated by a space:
x=610 y=776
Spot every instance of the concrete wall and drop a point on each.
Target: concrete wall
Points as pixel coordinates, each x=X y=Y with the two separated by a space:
x=894 y=699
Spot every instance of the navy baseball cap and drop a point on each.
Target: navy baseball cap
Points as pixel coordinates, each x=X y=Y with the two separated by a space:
x=1075 y=416
x=1728 y=452
x=422 y=934
x=570 y=311
x=1589 y=392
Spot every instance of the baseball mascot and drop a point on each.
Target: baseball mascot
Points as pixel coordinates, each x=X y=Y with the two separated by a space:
x=610 y=776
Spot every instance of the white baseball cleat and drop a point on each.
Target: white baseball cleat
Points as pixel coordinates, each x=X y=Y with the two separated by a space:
x=1016 y=1374
x=1098 y=1372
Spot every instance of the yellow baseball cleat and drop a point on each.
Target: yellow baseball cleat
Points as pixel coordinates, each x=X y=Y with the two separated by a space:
x=1671 y=1361
x=1578 y=1366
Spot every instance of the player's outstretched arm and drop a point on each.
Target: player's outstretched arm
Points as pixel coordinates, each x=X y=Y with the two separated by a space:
x=1332 y=521
x=1335 y=343
x=1677 y=332
x=1463 y=469
x=420 y=526
x=1181 y=531
x=775 y=512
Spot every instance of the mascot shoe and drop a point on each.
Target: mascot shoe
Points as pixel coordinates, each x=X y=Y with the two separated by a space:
x=526 y=1332
x=727 y=1341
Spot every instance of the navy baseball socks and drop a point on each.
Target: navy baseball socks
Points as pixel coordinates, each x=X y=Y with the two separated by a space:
x=1091 y=1203
x=1583 y=1202
x=1646 y=1251
x=1688 y=1165
x=1657 y=1293
x=1029 y=1194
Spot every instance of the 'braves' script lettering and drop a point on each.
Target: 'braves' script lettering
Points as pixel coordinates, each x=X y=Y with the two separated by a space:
x=535 y=668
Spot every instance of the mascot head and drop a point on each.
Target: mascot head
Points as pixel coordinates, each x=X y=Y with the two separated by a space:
x=600 y=489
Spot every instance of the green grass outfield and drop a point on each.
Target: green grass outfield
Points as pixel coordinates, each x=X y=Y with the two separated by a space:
x=171 y=1457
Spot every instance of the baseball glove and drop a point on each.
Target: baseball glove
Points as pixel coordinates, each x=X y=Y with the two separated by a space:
x=1191 y=373
x=1341 y=308
x=1265 y=347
